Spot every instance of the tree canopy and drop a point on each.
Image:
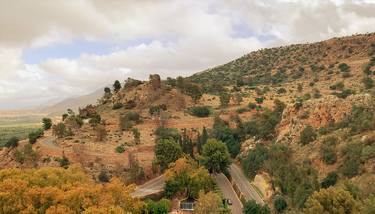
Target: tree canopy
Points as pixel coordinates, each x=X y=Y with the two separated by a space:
x=215 y=156
x=167 y=151
x=332 y=201
x=58 y=190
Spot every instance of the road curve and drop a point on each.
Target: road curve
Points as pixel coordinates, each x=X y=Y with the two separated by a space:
x=228 y=192
x=153 y=186
x=244 y=185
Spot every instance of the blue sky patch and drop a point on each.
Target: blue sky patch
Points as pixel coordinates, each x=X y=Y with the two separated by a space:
x=75 y=49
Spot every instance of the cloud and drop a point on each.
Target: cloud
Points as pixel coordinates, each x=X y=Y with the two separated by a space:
x=169 y=37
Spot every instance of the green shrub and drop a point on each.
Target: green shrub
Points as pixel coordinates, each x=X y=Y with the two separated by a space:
x=200 y=111
x=298 y=103
x=306 y=96
x=103 y=176
x=63 y=161
x=281 y=91
x=327 y=150
x=26 y=154
x=368 y=82
x=117 y=106
x=120 y=149
x=350 y=167
x=360 y=119
x=368 y=152
x=330 y=180
x=308 y=135
x=155 y=110
x=252 y=105
x=279 y=203
x=130 y=104
x=251 y=207
x=316 y=94
x=129 y=120
x=160 y=207
x=344 y=67
x=95 y=120
x=328 y=154
x=47 y=123
x=345 y=93
x=352 y=159
x=338 y=86
x=224 y=99
x=60 y=130
x=241 y=110
x=12 y=142
x=33 y=136
x=167 y=133
x=259 y=100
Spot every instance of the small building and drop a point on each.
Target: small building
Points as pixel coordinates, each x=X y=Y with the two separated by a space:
x=187 y=205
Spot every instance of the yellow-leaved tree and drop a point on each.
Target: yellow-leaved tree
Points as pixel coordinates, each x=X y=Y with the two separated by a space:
x=331 y=201
x=57 y=190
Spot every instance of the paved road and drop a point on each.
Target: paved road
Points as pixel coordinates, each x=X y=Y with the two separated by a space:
x=244 y=185
x=228 y=192
x=153 y=186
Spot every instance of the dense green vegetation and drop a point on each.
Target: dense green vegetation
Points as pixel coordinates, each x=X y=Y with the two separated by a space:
x=251 y=207
x=295 y=180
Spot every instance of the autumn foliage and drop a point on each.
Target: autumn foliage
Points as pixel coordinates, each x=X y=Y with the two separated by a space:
x=58 y=190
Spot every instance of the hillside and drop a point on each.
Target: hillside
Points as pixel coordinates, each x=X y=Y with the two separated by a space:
x=298 y=119
x=291 y=63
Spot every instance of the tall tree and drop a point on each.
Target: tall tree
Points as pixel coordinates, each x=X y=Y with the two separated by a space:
x=47 y=123
x=136 y=135
x=187 y=177
x=215 y=156
x=186 y=144
x=209 y=203
x=332 y=200
x=224 y=99
x=116 y=86
x=167 y=151
x=202 y=139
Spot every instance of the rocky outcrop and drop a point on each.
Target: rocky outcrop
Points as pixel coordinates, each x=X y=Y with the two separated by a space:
x=88 y=111
x=155 y=81
x=317 y=113
x=248 y=145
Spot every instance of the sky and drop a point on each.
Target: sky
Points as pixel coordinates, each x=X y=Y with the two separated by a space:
x=52 y=50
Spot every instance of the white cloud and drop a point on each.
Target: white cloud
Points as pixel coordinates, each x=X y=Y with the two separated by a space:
x=183 y=37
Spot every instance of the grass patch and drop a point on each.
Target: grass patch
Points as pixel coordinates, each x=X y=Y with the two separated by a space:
x=19 y=127
x=258 y=190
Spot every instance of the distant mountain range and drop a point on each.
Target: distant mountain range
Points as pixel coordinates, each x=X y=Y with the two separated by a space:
x=72 y=103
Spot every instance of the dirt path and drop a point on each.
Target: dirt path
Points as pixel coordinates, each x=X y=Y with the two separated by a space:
x=153 y=186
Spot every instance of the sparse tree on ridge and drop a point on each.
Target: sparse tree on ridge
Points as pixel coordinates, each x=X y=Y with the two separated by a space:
x=47 y=123
x=116 y=86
